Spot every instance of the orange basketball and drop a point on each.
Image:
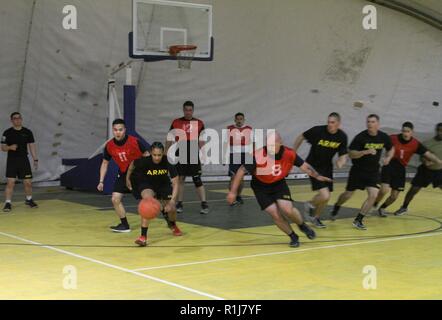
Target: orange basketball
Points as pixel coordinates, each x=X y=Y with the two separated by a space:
x=149 y=208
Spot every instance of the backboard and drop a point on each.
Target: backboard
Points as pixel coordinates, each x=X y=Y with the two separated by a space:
x=159 y=24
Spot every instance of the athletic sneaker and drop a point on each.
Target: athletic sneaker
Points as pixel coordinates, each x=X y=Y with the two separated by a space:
x=401 y=212
x=121 y=228
x=204 y=209
x=7 y=207
x=318 y=223
x=333 y=214
x=294 y=243
x=179 y=208
x=308 y=211
x=31 y=204
x=234 y=203
x=382 y=213
x=359 y=225
x=141 y=241
x=239 y=200
x=309 y=232
x=176 y=231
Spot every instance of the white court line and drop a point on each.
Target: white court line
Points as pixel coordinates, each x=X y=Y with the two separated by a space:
x=287 y=252
x=207 y=295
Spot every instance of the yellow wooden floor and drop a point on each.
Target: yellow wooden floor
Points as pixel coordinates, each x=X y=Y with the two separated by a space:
x=209 y=263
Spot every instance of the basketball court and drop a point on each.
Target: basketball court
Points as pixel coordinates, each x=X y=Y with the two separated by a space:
x=233 y=253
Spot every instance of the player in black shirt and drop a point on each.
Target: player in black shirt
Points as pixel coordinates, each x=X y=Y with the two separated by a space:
x=365 y=152
x=326 y=141
x=149 y=177
x=16 y=141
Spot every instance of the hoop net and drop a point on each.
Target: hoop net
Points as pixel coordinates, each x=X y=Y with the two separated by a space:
x=184 y=54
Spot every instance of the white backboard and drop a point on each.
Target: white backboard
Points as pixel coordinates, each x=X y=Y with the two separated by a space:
x=159 y=24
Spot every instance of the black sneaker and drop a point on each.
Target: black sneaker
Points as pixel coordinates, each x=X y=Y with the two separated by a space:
x=31 y=204
x=333 y=214
x=235 y=203
x=359 y=225
x=239 y=200
x=204 y=208
x=7 y=207
x=179 y=208
x=318 y=223
x=382 y=213
x=401 y=212
x=121 y=228
x=309 y=232
x=294 y=243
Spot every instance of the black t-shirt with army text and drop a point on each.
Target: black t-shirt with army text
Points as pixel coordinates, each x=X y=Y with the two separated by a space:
x=157 y=175
x=324 y=146
x=365 y=141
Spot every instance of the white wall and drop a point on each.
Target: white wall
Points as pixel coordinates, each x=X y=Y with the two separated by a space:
x=268 y=60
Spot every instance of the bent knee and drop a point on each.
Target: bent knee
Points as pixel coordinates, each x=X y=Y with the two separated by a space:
x=116 y=201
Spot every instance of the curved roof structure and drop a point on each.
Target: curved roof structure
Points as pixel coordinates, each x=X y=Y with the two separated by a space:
x=429 y=11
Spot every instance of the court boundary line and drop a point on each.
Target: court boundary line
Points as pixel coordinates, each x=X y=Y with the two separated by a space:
x=294 y=251
x=112 y=266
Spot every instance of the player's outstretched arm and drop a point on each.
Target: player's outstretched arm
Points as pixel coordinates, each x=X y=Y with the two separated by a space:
x=306 y=168
x=298 y=142
x=103 y=171
x=432 y=158
x=239 y=176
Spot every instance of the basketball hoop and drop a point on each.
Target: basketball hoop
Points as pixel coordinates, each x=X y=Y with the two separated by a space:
x=184 y=55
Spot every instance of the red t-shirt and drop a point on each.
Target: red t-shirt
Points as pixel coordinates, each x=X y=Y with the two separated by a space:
x=192 y=128
x=269 y=170
x=239 y=136
x=124 y=152
x=404 y=150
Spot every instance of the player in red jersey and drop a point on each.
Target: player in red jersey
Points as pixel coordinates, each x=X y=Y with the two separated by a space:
x=272 y=165
x=123 y=149
x=394 y=174
x=239 y=148
x=189 y=166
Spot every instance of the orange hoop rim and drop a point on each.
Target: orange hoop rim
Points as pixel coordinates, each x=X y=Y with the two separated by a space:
x=176 y=49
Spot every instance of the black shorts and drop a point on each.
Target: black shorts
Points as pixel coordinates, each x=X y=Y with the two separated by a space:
x=189 y=170
x=318 y=185
x=268 y=195
x=234 y=167
x=163 y=192
x=19 y=167
x=394 y=175
x=360 y=179
x=425 y=177
x=120 y=184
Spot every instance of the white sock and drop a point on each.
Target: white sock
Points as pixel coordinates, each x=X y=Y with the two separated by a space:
x=8 y=201
x=29 y=198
